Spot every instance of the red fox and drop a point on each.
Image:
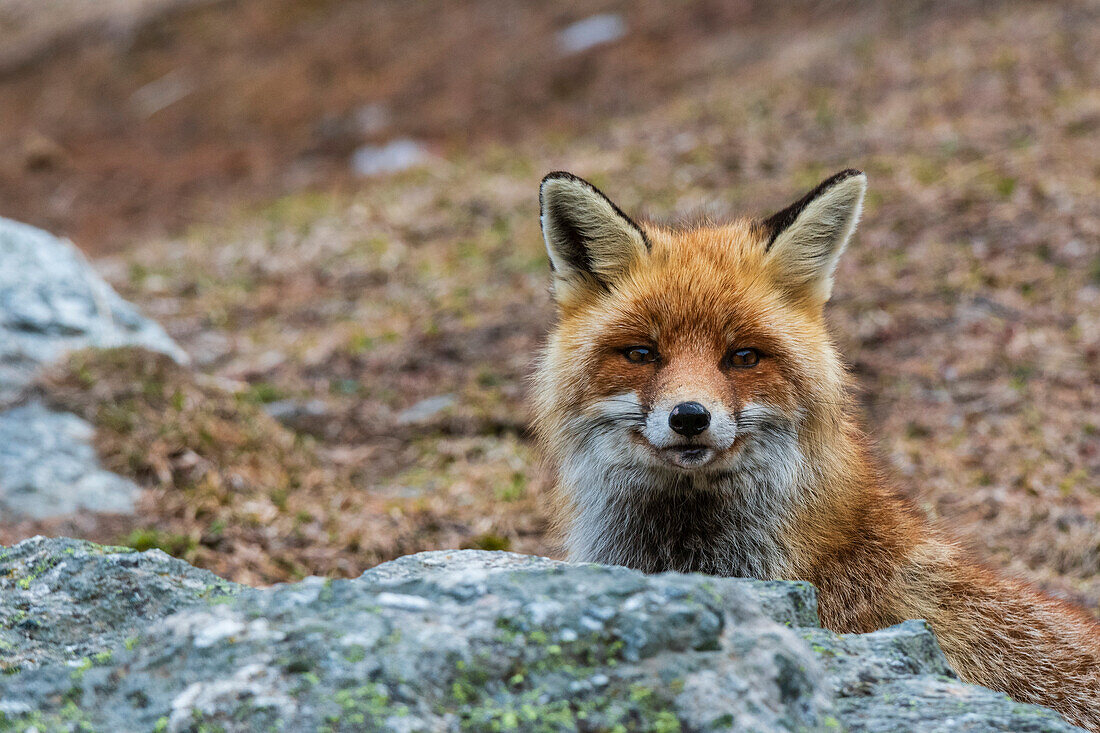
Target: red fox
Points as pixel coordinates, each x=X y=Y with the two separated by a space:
x=698 y=414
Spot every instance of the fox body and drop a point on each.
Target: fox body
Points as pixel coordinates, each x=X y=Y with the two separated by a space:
x=699 y=417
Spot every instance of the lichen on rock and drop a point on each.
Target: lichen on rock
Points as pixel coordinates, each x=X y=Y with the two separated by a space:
x=455 y=641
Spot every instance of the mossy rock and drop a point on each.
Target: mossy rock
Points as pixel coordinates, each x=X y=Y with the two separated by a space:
x=456 y=641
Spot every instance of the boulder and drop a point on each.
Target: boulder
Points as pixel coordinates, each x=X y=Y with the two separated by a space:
x=53 y=302
x=96 y=638
x=48 y=467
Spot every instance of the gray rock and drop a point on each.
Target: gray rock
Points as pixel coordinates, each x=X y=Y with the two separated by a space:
x=593 y=31
x=52 y=302
x=393 y=157
x=425 y=409
x=48 y=467
x=449 y=641
x=312 y=416
x=62 y=600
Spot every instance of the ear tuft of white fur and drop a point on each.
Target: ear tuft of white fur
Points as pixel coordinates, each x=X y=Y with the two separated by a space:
x=591 y=242
x=808 y=237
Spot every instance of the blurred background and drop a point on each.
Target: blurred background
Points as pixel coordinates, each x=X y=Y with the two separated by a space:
x=331 y=205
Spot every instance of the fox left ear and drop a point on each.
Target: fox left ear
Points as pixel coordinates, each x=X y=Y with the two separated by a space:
x=805 y=240
x=591 y=242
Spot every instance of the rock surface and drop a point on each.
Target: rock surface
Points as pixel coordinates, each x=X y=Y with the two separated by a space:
x=63 y=600
x=393 y=157
x=593 y=31
x=53 y=302
x=98 y=639
x=48 y=467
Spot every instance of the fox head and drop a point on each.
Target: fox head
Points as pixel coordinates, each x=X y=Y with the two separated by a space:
x=685 y=357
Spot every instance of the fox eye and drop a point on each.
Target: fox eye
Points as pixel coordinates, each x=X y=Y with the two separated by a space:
x=743 y=358
x=640 y=354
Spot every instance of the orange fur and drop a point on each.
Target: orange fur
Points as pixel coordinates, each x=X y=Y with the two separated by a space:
x=797 y=495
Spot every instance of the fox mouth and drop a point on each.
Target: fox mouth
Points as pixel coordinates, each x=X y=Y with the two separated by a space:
x=687 y=455
x=690 y=455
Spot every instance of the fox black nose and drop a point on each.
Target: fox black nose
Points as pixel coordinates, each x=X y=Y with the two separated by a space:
x=689 y=418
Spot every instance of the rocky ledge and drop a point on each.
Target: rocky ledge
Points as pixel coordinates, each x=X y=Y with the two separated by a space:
x=104 y=638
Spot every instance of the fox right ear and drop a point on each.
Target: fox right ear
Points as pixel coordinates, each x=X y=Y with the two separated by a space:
x=805 y=240
x=591 y=242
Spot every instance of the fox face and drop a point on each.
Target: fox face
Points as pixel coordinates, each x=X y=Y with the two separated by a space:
x=687 y=363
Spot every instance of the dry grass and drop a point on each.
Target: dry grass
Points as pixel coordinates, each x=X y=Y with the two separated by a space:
x=232 y=490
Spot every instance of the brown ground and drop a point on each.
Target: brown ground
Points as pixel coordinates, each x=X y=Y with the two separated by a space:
x=969 y=303
x=144 y=127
